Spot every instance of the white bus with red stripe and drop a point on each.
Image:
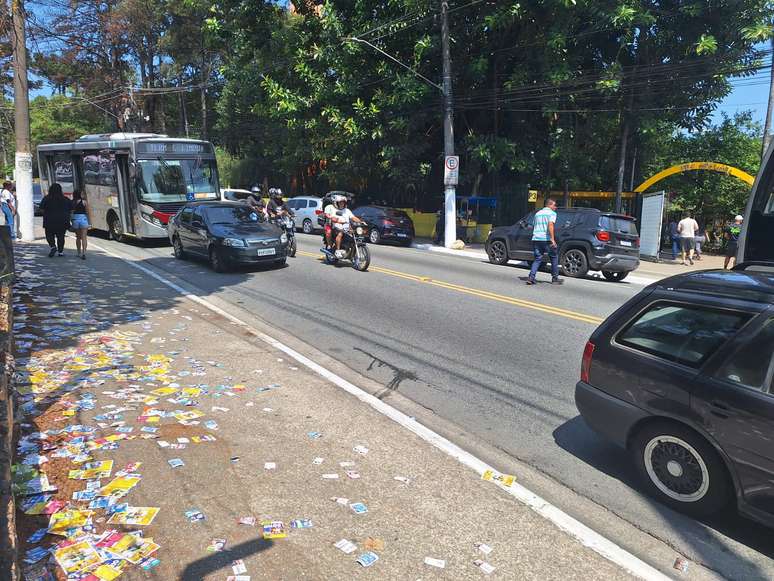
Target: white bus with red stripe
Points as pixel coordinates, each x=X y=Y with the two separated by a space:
x=133 y=183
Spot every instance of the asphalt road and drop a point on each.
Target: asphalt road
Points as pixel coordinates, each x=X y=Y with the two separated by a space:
x=471 y=342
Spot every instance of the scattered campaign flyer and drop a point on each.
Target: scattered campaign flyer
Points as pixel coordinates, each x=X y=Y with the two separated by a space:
x=77 y=557
x=274 y=529
x=359 y=507
x=345 y=546
x=135 y=516
x=367 y=559
x=440 y=563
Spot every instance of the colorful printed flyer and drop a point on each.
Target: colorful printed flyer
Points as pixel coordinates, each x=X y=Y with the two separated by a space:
x=77 y=557
x=274 y=529
x=135 y=516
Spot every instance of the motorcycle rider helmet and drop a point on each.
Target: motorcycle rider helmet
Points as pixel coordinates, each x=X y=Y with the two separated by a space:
x=256 y=190
x=276 y=193
x=337 y=199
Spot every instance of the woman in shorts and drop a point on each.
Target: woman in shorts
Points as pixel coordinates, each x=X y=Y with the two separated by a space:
x=80 y=224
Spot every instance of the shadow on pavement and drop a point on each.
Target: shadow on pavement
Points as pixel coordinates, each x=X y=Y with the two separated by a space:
x=575 y=437
x=213 y=562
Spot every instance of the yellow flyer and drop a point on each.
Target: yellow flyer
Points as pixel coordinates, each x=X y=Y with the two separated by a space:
x=123 y=485
x=63 y=520
x=134 y=516
x=189 y=415
x=162 y=391
x=106 y=572
x=191 y=391
x=77 y=558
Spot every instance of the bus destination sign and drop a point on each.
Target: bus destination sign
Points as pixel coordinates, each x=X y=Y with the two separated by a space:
x=168 y=147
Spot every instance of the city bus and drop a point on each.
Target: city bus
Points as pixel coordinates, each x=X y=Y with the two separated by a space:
x=756 y=242
x=133 y=183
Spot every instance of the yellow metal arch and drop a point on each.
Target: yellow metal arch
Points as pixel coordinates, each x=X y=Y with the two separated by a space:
x=693 y=166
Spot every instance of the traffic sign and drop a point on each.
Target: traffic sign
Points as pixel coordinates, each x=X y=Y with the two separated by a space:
x=451 y=173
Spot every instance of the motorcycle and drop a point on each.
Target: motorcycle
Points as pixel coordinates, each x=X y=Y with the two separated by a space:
x=288 y=226
x=353 y=245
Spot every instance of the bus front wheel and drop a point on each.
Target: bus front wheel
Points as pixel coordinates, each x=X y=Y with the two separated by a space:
x=115 y=231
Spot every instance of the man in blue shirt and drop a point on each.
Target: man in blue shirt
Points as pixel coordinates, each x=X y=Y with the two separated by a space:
x=544 y=242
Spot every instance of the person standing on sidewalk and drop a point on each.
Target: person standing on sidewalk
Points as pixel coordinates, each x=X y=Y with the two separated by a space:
x=674 y=238
x=544 y=242
x=56 y=218
x=687 y=229
x=80 y=224
x=9 y=208
x=732 y=240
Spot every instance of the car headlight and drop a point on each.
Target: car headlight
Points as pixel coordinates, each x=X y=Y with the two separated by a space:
x=359 y=230
x=284 y=238
x=238 y=242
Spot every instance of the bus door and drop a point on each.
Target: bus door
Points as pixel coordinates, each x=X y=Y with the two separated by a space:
x=756 y=243
x=127 y=203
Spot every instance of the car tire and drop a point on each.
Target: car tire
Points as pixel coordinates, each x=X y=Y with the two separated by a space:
x=307 y=227
x=681 y=468
x=574 y=263
x=280 y=263
x=407 y=243
x=217 y=262
x=614 y=276
x=115 y=231
x=177 y=248
x=497 y=252
x=374 y=236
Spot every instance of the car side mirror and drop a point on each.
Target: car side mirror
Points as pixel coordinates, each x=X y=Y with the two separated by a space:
x=523 y=223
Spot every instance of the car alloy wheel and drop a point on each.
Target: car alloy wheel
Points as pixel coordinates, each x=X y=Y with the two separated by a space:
x=374 y=236
x=307 y=226
x=574 y=263
x=676 y=468
x=498 y=254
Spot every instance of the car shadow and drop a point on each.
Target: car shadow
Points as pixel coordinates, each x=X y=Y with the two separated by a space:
x=575 y=437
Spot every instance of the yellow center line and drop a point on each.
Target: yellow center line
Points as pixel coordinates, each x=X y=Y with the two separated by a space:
x=584 y=318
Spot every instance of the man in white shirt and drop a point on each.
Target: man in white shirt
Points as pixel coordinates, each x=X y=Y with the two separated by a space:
x=687 y=228
x=340 y=216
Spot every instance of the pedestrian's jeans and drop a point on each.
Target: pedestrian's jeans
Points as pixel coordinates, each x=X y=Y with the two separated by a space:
x=56 y=237
x=8 y=213
x=675 y=247
x=540 y=247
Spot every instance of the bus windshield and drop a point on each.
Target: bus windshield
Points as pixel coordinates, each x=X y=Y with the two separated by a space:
x=177 y=180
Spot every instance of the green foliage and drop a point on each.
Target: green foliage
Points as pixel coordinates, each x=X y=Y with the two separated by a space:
x=734 y=141
x=59 y=118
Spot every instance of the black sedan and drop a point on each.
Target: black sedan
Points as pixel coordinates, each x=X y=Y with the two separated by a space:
x=386 y=224
x=226 y=233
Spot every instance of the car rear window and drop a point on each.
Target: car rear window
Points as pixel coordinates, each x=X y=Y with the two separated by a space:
x=618 y=224
x=686 y=334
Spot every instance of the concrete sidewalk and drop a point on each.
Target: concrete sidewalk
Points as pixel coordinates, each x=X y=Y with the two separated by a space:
x=647 y=272
x=115 y=366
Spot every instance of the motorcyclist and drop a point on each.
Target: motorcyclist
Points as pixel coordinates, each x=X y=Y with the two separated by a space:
x=340 y=217
x=255 y=201
x=277 y=206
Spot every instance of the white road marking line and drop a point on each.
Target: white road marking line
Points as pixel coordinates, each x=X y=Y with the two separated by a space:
x=582 y=533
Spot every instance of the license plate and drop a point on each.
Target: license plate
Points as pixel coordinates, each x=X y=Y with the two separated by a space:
x=401 y=235
x=266 y=251
x=625 y=243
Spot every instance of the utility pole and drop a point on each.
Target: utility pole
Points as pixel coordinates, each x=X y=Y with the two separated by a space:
x=21 y=102
x=767 y=125
x=450 y=189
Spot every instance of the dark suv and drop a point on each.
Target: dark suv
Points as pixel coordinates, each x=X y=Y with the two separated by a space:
x=682 y=377
x=588 y=240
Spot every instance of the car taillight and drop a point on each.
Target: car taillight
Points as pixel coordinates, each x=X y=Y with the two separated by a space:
x=603 y=236
x=389 y=223
x=588 y=355
x=318 y=212
x=636 y=242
